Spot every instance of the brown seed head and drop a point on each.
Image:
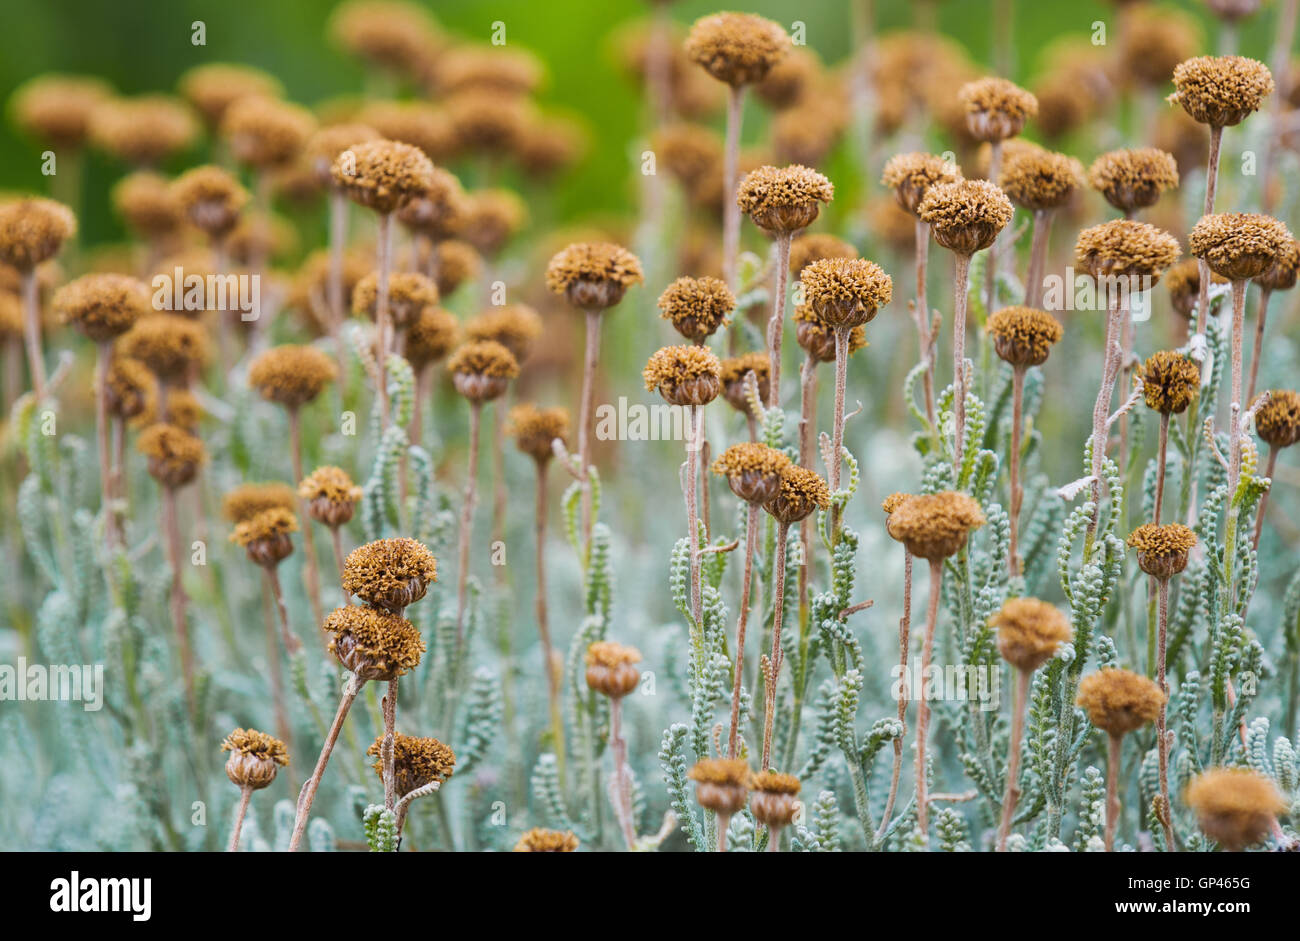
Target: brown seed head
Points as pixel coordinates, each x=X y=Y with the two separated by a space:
x=965 y=217
x=431 y=337
x=254 y=758
x=733 y=372
x=1023 y=336
x=1162 y=550
x=782 y=200
x=485 y=123
x=102 y=306
x=33 y=230
x=390 y=573
x=481 y=370
x=326 y=143
x=331 y=495
x=538 y=840
x=802 y=491
x=1235 y=807
x=417 y=762
x=1239 y=245
x=1183 y=281
x=721 y=784
x=996 y=109
x=417 y=123
x=753 y=471
x=213 y=87
x=846 y=292
x=792 y=80
x=506 y=71
x=57 y=109
x=935 y=526
x=690 y=152
x=593 y=275
x=440 y=211
x=697 y=307
x=172 y=347
x=1154 y=40
x=1221 y=90
x=373 y=643
x=491 y=218
x=144 y=130
x=774 y=799
x=1170 y=382
x=684 y=375
x=815 y=246
x=291 y=375
x=911 y=175
x=248 y=500
x=1119 y=701
x=266 y=133
x=1029 y=632
x=818 y=338
x=611 y=668
x=409 y=293
x=148 y=205
x=174 y=454
x=382 y=174
x=514 y=326
x=1040 y=180
x=1133 y=179
x=210 y=198
x=535 y=429
x=1282 y=275
x=1278 y=422
x=737 y=48
x=1123 y=248
x=266 y=536
x=391 y=35
x=458 y=262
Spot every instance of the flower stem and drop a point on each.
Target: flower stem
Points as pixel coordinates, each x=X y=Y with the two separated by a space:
x=731 y=163
x=1017 y=489
x=586 y=415
x=543 y=625
x=112 y=536
x=1203 y=266
x=923 y=710
x=1013 y=758
x=245 y=793
x=32 y=333
x=467 y=517
x=775 y=658
x=921 y=315
x=1162 y=738
x=171 y=526
x=1112 y=790
x=1263 y=500
x=386 y=749
x=1161 y=456
x=1037 y=258
x=309 y=789
x=776 y=324
x=837 y=427
x=1264 y=295
x=1101 y=411
x=904 y=637
x=385 y=253
x=691 y=489
x=311 y=568
x=962 y=282
x=751 y=547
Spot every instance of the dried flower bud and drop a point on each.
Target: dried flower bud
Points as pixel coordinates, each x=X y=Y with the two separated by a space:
x=148 y=205
x=1123 y=248
x=102 y=306
x=514 y=326
x=1133 y=179
x=684 y=375
x=1278 y=421
x=1170 y=382
x=248 y=500
x=331 y=496
x=697 y=307
x=383 y=174
x=753 y=471
x=57 y=109
x=1221 y=90
x=535 y=430
x=33 y=230
x=482 y=369
x=733 y=372
x=538 y=840
x=722 y=784
x=802 y=491
x=782 y=200
x=291 y=375
x=1282 y=275
x=594 y=275
x=817 y=338
x=213 y=87
x=911 y=175
x=1162 y=550
x=737 y=48
x=409 y=293
x=390 y=573
x=774 y=799
x=417 y=762
x=143 y=131
x=1239 y=245
x=254 y=759
x=431 y=337
x=265 y=537
x=374 y=644
x=611 y=669
x=266 y=133
x=846 y=292
x=130 y=387
x=174 y=454
x=1183 y=282
x=965 y=217
x=1235 y=807
x=1119 y=701
x=1023 y=336
x=996 y=109
x=815 y=246
x=210 y=198
x=935 y=526
x=1030 y=632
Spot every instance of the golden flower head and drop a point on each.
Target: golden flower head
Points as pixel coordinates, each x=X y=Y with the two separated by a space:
x=1023 y=336
x=484 y=122
x=611 y=668
x=1154 y=40
x=1239 y=245
x=172 y=347
x=248 y=500
x=382 y=174
x=774 y=798
x=965 y=217
x=57 y=109
x=390 y=573
x=996 y=108
x=174 y=455
x=805 y=249
x=1030 y=632
x=130 y=387
x=539 y=840
x=392 y=35
x=148 y=204
x=697 y=307
x=266 y=536
x=689 y=152
x=211 y=198
x=213 y=87
x=1119 y=701
x=417 y=123
x=818 y=338
x=935 y=526
x=291 y=375
x=1040 y=179
x=458 y=262
x=593 y=275
x=266 y=133
x=144 y=130
x=373 y=643
x=33 y=230
x=1221 y=90
x=254 y=759
x=1282 y=275
x=792 y=81
x=535 y=429
x=782 y=200
x=1123 y=248
x=802 y=491
x=514 y=326
x=489 y=68
x=417 y=762
x=846 y=292
x=1183 y=282
x=431 y=337
x=1133 y=179
x=482 y=369
x=1278 y=421
x=440 y=211
x=1235 y=807
x=491 y=219
x=331 y=495
x=684 y=375
x=721 y=784
x=737 y=48
x=732 y=373
x=1170 y=382
x=911 y=175
x=1162 y=550
x=102 y=306
x=753 y=471
x=409 y=293
x=326 y=143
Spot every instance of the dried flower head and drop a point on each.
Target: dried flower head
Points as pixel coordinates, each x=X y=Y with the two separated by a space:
x=457 y=262
x=182 y=409
x=144 y=130
x=889 y=505
x=690 y=152
x=733 y=372
x=1170 y=382
x=213 y=87
x=373 y=643
x=911 y=175
x=130 y=387
x=802 y=491
x=697 y=307
x=1123 y=248
x=1119 y=701
x=1239 y=245
x=539 y=840
x=1023 y=336
x=781 y=200
x=1030 y=632
x=846 y=292
x=593 y=275
x=254 y=759
x=266 y=133
x=33 y=230
x=211 y=199
x=965 y=216
x=1162 y=550
x=57 y=109
x=491 y=218
x=514 y=326
x=507 y=71
x=1154 y=40
x=172 y=347
x=482 y=369
x=1133 y=179
x=792 y=81
x=148 y=204
x=753 y=471
x=611 y=668
x=248 y=500
x=266 y=536
x=721 y=784
x=174 y=454
x=818 y=337
x=486 y=123
x=996 y=108
x=390 y=573
x=331 y=495
x=382 y=174
x=326 y=143
x=291 y=375
x=737 y=48
x=1183 y=282
x=409 y=293
x=684 y=375
x=535 y=429
x=815 y=246
x=935 y=526
x=417 y=762
x=1278 y=421
x=1235 y=807
x=417 y=123
x=1221 y=90
x=440 y=211
x=1040 y=179
x=1282 y=275
x=433 y=334
x=774 y=799
x=102 y=306
x=391 y=35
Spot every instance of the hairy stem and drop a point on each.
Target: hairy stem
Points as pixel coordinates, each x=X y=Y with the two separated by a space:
x=308 y=793
x=1162 y=737
x=32 y=333
x=311 y=567
x=923 y=709
x=1112 y=790
x=1264 y=295
x=731 y=163
x=1203 y=266
x=245 y=793
x=1017 y=489
x=751 y=547
x=586 y=415
x=1013 y=758
x=776 y=656
x=904 y=692
x=543 y=624
x=962 y=283
x=467 y=517
x=776 y=324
